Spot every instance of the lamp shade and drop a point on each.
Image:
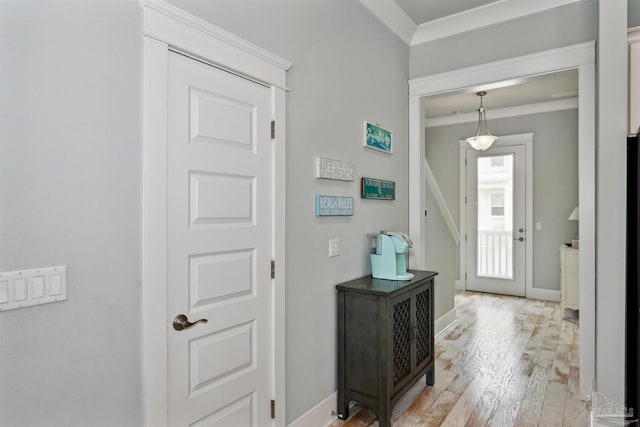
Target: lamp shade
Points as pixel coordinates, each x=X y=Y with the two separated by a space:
x=481 y=142
x=483 y=138
x=575 y=214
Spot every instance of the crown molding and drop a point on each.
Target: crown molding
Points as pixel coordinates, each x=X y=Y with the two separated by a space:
x=392 y=15
x=396 y=19
x=482 y=16
x=500 y=113
x=168 y=10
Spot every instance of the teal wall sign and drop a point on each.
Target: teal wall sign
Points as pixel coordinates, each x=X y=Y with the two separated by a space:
x=378 y=138
x=334 y=206
x=378 y=189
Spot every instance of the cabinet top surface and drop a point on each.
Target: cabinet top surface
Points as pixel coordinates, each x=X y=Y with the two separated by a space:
x=381 y=286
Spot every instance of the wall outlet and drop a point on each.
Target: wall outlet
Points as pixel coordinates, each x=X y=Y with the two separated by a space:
x=538 y=226
x=334 y=247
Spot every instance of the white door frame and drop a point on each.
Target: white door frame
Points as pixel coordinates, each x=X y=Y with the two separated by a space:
x=525 y=139
x=481 y=77
x=169 y=28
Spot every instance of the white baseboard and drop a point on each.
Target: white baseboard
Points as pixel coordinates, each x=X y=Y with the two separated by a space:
x=445 y=322
x=459 y=285
x=544 y=294
x=320 y=415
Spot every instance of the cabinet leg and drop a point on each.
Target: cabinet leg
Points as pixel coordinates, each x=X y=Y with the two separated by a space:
x=429 y=377
x=384 y=418
x=343 y=405
x=345 y=412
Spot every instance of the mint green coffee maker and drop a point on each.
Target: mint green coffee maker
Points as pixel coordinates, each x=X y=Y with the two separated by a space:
x=388 y=257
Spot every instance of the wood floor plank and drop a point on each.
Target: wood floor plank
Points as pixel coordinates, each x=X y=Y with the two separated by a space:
x=506 y=362
x=506 y=413
x=560 y=372
x=574 y=379
x=468 y=400
x=529 y=413
x=425 y=400
x=439 y=410
x=553 y=406
x=484 y=410
x=506 y=383
x=575 y=412
x=538 y=381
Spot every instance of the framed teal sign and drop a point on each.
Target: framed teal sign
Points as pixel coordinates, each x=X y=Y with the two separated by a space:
x=334 y=206
x=378 y=189
x=377 y=138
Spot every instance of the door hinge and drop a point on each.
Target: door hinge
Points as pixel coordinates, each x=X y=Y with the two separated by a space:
x=465 y=276
x=465 y=237
x=465 y=161
x=273 y=129
x=273 y=409
x=465 y=200
x=273 y=269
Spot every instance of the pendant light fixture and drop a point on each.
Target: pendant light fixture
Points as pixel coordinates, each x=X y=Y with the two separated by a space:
x=483 y=138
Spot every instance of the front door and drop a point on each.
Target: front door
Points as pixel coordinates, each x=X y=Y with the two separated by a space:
x=220 y=349
x=496 y=231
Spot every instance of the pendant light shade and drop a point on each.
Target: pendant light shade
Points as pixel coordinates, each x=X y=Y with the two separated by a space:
x=483 y=139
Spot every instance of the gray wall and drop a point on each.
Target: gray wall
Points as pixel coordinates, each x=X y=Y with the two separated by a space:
x=347 y=68
x=70 y=111
x=70 y=189
x=70 y=179
x=561 y=26
x=633 y=14
x=555 y=181
x=440 y=250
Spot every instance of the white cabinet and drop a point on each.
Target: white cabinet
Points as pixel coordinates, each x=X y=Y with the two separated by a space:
x=569 y=289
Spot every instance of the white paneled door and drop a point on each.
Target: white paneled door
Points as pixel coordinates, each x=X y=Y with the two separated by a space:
x=496 y=218
x=220 y=346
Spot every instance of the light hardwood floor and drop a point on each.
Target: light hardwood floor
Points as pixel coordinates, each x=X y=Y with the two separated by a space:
x=507 y=362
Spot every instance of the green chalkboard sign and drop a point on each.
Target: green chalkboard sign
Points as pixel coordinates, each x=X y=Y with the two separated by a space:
x=378 y=189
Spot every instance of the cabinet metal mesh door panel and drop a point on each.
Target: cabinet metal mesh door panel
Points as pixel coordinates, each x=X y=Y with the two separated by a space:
x=423 y=319
x=401 y=340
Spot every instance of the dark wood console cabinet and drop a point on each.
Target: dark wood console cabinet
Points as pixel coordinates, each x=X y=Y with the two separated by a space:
x=385 y=340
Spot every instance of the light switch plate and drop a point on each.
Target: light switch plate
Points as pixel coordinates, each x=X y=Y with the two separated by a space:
x=25 y=288
x=38 y=286
x=4 y=291
x=334 y=247
x=20 y=289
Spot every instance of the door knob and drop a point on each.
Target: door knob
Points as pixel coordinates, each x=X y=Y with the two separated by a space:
x=521 y=230
x=181 y=322
x=519 y=239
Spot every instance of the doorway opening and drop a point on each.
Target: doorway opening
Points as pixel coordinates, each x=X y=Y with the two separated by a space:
x=504 y=73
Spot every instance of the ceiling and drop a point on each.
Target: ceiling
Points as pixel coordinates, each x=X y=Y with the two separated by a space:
x=421 y=11
x=421 y=21
x=548 y=88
